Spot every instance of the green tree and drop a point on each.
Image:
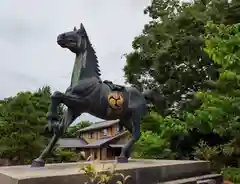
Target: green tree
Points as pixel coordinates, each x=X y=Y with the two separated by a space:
x=159 y=136
x=169 y=53
x=219 y=111
x=22 y=121
x=152 y=122
x=152 y=146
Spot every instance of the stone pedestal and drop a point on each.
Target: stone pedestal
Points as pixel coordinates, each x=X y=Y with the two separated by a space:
x=141 y=171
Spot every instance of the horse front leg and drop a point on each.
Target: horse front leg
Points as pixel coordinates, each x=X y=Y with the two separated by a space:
x=52 y=114
x=67 y=120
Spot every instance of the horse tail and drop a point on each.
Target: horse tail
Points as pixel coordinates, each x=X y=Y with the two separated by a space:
x=154 y=97
x=148 y=96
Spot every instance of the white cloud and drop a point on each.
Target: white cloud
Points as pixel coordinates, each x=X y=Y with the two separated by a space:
x=30 y=57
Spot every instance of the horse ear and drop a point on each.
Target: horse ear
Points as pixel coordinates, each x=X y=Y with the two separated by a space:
x=81 y=26
x=74 y=29
x=82 y=29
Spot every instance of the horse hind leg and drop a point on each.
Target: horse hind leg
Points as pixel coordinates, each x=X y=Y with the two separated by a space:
x=65 y=123
x=126 y=151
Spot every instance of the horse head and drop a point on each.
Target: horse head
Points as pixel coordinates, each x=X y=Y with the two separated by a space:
x=76 y=40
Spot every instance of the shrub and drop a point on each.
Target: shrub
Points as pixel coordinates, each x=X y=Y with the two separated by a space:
x=232 y=174
x=102 y=174
x=61 y=155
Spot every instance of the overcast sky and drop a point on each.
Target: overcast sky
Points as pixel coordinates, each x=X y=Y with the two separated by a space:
x=30 y=56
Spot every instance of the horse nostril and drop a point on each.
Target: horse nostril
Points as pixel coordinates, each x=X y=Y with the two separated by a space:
x=61 y=36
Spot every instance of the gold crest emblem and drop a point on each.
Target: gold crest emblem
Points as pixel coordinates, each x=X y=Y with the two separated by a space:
x=115 y=100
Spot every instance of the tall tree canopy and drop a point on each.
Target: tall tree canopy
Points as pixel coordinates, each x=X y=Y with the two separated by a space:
x=179 y=52
x=169 y=53
x=219 y=111
x=22 y=119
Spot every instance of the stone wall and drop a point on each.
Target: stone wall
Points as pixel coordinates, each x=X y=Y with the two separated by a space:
x=5 y=162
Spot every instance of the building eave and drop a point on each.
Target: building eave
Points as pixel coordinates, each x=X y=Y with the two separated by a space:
x=106 y=142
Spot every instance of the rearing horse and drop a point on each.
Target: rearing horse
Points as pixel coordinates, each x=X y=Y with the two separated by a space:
x=88 y=93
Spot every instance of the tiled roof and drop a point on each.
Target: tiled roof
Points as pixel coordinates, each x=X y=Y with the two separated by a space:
x=102 y=124
x=100 y=142
x=71 y=143
x=80 y=143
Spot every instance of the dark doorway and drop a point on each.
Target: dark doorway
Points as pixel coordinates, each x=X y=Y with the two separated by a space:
x=113 y=152
x=117 y=152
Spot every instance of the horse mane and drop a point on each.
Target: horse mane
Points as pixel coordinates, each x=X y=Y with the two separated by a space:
x=92 y=66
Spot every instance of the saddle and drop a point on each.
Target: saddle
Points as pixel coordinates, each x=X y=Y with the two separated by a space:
x=114 y=87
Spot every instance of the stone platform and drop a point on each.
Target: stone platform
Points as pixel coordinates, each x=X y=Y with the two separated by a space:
x=142 y=172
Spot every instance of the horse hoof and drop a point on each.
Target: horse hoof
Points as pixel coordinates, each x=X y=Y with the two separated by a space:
x=122 y=159
x=38 y=163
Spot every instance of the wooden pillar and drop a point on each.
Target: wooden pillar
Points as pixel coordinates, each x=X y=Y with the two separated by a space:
x=98 y=153
x=103 y=153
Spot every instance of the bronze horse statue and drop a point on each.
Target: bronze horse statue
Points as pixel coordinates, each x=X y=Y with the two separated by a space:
x=88 y=93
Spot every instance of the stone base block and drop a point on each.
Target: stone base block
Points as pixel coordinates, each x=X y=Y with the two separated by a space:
x=141 y=172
